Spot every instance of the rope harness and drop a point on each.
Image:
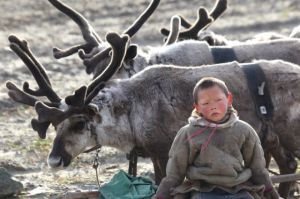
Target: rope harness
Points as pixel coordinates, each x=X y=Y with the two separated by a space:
x=96 y=164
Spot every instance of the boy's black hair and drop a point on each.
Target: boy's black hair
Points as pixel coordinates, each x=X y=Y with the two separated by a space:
x=208 y=82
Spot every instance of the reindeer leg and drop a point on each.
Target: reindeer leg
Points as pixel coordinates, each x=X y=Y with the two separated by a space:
x=159 y=165
x=287 y=165
x=267 y=158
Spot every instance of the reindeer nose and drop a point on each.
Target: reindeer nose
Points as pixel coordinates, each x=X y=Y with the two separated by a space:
x=54 y=161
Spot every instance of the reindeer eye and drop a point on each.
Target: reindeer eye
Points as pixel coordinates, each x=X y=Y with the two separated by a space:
x=78 y=126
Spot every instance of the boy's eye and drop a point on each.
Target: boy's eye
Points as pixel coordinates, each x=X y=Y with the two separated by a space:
x=203 y=104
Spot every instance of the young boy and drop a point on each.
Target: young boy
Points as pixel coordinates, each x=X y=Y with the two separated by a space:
x=219 y=155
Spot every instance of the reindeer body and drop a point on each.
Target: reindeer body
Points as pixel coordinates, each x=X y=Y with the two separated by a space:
x=197 y=53
x=148 y=109
x=219 y=40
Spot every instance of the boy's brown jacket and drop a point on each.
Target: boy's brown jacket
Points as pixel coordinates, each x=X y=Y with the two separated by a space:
x=228 y=156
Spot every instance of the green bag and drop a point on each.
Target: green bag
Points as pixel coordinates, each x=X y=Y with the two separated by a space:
x=124 y=186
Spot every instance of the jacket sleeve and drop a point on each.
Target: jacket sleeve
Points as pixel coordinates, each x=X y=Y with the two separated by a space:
x=176 y=166
x=254 y=159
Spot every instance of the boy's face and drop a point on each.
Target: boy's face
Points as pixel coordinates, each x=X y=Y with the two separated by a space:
x=213 y=103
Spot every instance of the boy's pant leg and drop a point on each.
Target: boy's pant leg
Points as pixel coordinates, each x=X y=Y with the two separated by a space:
x=213 y=195
x=181 y=196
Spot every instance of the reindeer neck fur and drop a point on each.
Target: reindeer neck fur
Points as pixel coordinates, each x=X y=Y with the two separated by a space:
x=132 y=66
x=113 y=129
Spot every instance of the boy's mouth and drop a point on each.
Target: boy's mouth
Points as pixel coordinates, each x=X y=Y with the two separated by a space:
x=215 y=114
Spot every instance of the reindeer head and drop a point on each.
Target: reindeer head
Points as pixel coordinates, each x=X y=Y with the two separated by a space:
x=73 y=117
x=95 y=52
x=74 y=135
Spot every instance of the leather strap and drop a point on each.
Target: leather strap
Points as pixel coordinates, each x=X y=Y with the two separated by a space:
x=258 y=85
x=223 y=54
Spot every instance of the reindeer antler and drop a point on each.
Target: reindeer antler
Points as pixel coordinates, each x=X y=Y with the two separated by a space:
x=89 y=49
x=91 y=62
x=51 y=112
x=89 y=34
x=35 y=68
x=174 y=27
x=119 y=46
x=191 y=33
x=137 y=24
x=84 y=95
x=26 y=96
x=218 y=9
x=202 y=21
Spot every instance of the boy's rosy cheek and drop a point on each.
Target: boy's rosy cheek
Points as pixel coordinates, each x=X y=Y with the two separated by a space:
x=223 y=107
x=205 y=111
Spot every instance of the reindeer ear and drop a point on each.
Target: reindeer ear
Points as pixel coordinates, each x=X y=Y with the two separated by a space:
x=40 y=127
x=92 y=111
x=131 y=52
x=209 y=39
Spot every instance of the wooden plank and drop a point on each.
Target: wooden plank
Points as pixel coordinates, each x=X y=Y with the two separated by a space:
x=82 y=195
x=285 y=178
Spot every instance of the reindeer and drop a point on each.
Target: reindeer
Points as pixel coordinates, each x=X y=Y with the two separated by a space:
x=146 y=110
x=202 y=34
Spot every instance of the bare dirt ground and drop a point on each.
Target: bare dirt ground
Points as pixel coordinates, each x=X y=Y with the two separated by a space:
x=21 y=151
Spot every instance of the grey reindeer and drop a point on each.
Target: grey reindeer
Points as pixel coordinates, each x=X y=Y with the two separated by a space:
x=146 y=110
x=184 y=53
x=213 y=39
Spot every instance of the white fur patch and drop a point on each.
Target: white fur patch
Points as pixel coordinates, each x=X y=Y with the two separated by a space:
x=294 y=112
x=63 y=105
x=113 y=139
